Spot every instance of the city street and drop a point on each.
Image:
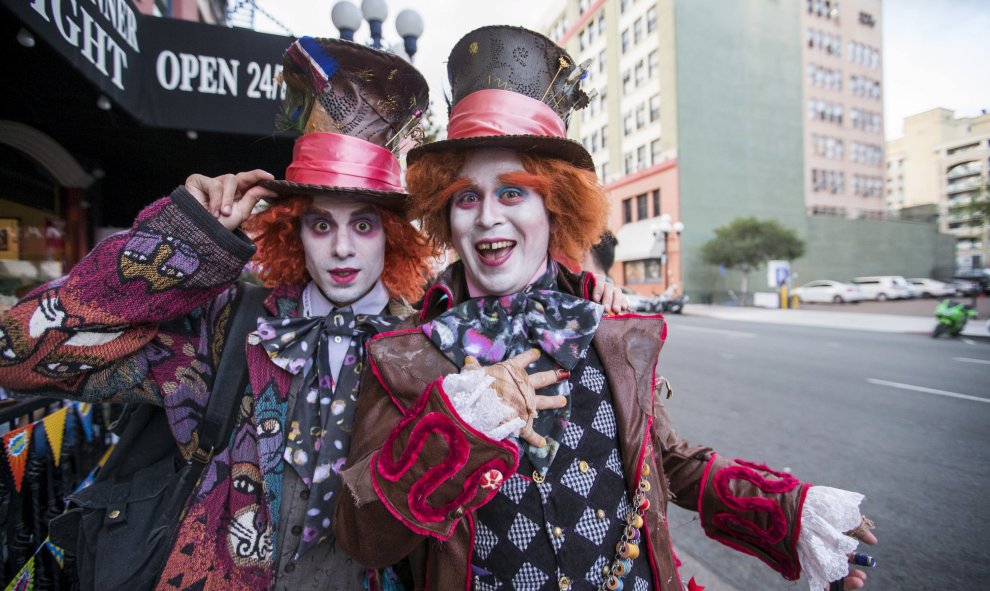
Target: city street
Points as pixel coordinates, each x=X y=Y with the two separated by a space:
x=901 y=418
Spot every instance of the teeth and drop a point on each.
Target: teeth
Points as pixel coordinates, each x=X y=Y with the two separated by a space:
x=495 y=245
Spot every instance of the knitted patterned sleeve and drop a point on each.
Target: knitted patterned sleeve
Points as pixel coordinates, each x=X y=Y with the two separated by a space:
x=138 y=305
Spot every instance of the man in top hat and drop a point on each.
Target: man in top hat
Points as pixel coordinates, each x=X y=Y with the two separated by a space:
x=517 y=439
x=141 y=319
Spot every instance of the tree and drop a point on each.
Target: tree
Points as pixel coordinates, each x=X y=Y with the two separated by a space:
x=747 y=243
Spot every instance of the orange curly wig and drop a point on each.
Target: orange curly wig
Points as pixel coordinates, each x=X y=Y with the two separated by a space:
x=573 y=197
x=281 y=259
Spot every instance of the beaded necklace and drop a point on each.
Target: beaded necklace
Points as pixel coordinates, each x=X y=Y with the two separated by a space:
x=627 y=550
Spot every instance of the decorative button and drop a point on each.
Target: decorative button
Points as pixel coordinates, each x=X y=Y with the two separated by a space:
x=290 y=567
x=296 y=530
x=557 y=532
x=600 y=514
x=456 y=513
x=537 y=477
x=583 y=466
x=564 y=583
x=646 y=469
x=491 y=480
x=337 y=339
x=114 y=514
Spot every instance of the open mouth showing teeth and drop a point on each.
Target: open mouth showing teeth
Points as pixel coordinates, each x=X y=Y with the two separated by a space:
x=495 y=250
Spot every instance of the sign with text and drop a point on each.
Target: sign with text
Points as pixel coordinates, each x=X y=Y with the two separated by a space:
x=165 y=72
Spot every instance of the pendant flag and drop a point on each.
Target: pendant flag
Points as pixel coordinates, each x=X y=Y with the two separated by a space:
x=57 y=553
x=24 y=581
x=16 y=445
x=55 y=430
x=85 y=412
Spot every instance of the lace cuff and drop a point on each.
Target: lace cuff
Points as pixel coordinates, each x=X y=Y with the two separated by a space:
x=479 y=406
x=822 y=547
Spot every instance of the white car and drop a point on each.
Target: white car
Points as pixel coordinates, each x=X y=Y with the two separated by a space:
x=635 y=301
x=885 y=287
x=932 y=288
x=827 y=290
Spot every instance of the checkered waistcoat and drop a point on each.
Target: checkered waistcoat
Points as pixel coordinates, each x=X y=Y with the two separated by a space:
x=417 y=475
x=532 y=535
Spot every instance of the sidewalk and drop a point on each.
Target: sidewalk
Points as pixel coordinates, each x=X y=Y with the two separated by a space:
x=921 y=325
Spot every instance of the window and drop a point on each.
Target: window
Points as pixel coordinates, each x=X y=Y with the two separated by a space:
x=651 y=19
x=627 y=123
x=603 y=95
x=627 y=210
x=626 y=82
x=641 y=212
x=654 y=158
x=594 y=142
x=623 y=5
x=640 y=72
x=637 y=30
x=640 y=164
x=583 y=38
x=654 y=63
x=656 y=201
x=628 y=161
x=604 y=137
x=654 y=108
x=601 y=24
x=604 y=176
x=601 y=61
x=640 y=116
x=625 y=40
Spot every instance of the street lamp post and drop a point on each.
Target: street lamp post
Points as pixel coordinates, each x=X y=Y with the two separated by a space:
x=347 y=18
x=664 y=228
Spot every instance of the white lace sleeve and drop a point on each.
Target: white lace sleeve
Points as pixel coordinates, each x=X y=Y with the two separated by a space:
x=479 y=406
x=822 y=547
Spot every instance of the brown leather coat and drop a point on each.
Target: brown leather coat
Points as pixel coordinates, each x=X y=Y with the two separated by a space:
x=413 y=478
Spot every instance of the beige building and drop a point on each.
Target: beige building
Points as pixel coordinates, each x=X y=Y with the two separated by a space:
x=843 y=96
x=630 y=127
x=942 y=160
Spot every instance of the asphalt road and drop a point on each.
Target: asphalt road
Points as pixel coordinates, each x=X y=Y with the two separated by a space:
x=843 y=408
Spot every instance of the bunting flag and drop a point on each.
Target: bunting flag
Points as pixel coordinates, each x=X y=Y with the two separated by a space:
x=85 y=412
x=57 y=553
x=16 y=444
x=24 y=581
x=55 y=429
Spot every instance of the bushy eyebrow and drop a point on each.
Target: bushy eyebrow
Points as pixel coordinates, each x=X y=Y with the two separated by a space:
x=368 y=209
x=522 y=178
x=455 y=187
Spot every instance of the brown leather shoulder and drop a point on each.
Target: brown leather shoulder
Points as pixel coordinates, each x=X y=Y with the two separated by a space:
x=405 y=363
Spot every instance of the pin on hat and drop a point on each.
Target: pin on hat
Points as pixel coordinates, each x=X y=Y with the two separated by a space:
x=512 y=88
x=354 y=105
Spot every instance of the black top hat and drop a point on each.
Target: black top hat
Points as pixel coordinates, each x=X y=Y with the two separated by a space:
x=354 y=105
x=512 y=88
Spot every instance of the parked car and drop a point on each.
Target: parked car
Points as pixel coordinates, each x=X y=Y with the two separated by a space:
x=884 y=287
x=980 y=276
x=931 y=288
x=637 y=302
x=965 y=287
x=826 y=290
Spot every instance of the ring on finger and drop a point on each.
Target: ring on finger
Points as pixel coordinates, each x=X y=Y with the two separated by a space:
x=865 y=524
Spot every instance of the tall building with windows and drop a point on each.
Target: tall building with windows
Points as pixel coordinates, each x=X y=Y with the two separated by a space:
x=708 y=111
x=944 y=161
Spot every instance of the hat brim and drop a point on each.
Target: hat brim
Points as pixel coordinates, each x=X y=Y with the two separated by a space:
x=397 y=202
x=554 y=147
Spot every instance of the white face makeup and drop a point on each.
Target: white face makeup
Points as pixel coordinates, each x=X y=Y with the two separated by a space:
x=500 y=230
x=344 y=243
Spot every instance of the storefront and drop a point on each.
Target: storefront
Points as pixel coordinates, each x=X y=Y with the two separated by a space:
x=105 y=109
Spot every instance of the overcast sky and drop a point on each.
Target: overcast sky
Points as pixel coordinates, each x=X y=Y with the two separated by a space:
x=936 y=52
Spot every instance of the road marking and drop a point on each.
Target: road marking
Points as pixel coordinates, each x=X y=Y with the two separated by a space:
x=969 y=342
x=971 y=360
x=721 y=331
x=927 y=390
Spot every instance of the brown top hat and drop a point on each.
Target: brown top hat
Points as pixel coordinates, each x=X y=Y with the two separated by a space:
x=512 y=88
x=353 y=105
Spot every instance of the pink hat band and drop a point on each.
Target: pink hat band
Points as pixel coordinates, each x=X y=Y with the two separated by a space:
x=335 y=160
x=503 y=112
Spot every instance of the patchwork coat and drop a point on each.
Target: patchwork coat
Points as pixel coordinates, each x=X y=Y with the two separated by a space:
x=417 y=472
x=142 y=319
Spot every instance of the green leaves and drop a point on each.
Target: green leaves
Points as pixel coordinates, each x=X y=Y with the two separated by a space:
x=747 y=243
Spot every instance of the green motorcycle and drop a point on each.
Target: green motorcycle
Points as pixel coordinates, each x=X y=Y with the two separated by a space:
x=952 y=317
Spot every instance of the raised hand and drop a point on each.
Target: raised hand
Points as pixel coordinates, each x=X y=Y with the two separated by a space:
x=517 y=389
x=231 y=197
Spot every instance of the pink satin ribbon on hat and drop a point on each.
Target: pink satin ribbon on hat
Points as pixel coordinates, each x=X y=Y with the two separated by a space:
x=503 y=112
x=336 y=160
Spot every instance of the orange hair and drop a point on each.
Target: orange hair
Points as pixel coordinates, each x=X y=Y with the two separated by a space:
x=281 y=259
x=572 y=196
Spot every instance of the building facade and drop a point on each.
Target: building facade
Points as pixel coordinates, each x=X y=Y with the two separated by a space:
x=943 y=161
x=732 y=109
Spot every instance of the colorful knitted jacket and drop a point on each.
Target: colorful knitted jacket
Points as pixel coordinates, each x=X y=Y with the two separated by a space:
x=142 y=319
